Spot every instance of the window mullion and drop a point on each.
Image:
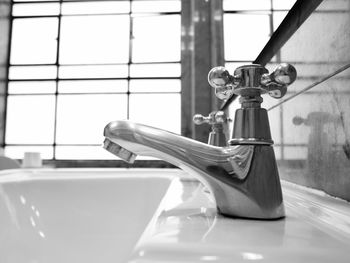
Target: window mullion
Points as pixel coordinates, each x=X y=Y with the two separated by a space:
x=57 y=78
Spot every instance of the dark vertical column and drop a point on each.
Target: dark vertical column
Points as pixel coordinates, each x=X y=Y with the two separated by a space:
x=187 y=39
x=217 y=41
x=202 y=49
x=5 y=34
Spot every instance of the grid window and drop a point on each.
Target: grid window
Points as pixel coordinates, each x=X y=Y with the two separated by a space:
x=94 y=39
x=75 y=66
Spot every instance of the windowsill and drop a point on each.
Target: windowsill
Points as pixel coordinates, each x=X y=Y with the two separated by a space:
x=106 y=163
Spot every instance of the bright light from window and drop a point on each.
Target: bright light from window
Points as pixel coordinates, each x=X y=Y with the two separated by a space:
x=94 y=39
x=34 y=41
x=72 y=71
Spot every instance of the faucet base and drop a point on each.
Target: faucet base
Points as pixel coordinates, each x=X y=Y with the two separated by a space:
x=258 y=195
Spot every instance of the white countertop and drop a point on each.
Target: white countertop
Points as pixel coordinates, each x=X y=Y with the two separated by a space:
x=156 y=215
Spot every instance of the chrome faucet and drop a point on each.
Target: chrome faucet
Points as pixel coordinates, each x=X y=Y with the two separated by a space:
x=242 y=176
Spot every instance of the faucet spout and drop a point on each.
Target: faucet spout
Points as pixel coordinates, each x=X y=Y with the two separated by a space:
x=243 y=179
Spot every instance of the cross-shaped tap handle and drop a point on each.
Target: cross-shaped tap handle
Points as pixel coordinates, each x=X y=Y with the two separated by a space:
x=276 y=83
x=250 y=79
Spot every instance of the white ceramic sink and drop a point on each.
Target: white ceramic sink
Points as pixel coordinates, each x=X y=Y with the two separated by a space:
x=149 y=215
x=76 y=216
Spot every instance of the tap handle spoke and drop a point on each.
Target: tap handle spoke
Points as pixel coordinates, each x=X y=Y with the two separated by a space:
x=223 y=83
x=215 y=117
x=275 y=84
x=199 y=119
x=251 y=80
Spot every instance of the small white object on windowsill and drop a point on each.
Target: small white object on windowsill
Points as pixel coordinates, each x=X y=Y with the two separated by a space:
x=32 y=160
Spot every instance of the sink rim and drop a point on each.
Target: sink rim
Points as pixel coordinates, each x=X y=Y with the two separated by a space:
x=160 y=235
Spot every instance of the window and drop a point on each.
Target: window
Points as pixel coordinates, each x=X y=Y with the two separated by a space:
x=248 y=26
x=77 y=65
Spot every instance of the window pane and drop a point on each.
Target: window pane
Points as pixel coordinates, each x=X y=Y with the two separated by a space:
x=87 y=72
x=17 y=152
x=158 y=85
x=82 y=118
x=156 y=6
x=36 y=9
x=158 y=110
x=231 y=66
x=155 y=70
x=283 y=4
x=156 y=38
x=34 y=41
x=253 y=36
x=31 y=87
x=246 y=5
x=87 y=86
x=100 y=7
x=32 y=72
x=83 y=153
x=278 y=152
x=94 y=39
x=30 y=119
x=278 y=17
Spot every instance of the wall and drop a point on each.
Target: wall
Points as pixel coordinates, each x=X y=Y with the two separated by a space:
x=320 y=117
x=311 y=130
x=5 y=9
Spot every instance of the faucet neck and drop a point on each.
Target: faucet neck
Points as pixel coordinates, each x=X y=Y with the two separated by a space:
x=251 y=125
x=251 y=101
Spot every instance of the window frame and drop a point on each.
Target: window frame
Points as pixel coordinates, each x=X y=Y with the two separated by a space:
x=56 y=94
x=195 y=97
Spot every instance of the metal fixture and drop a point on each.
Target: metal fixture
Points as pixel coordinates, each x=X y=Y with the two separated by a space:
x=251 y=125
x=243 y=176
x=216 y=119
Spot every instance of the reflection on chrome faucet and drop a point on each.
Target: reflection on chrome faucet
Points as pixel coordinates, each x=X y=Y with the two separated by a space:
x=243 y=176
x=217 y=120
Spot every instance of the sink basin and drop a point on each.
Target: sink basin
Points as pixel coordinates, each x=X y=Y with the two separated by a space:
x=77 y=216
x=156 y=215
